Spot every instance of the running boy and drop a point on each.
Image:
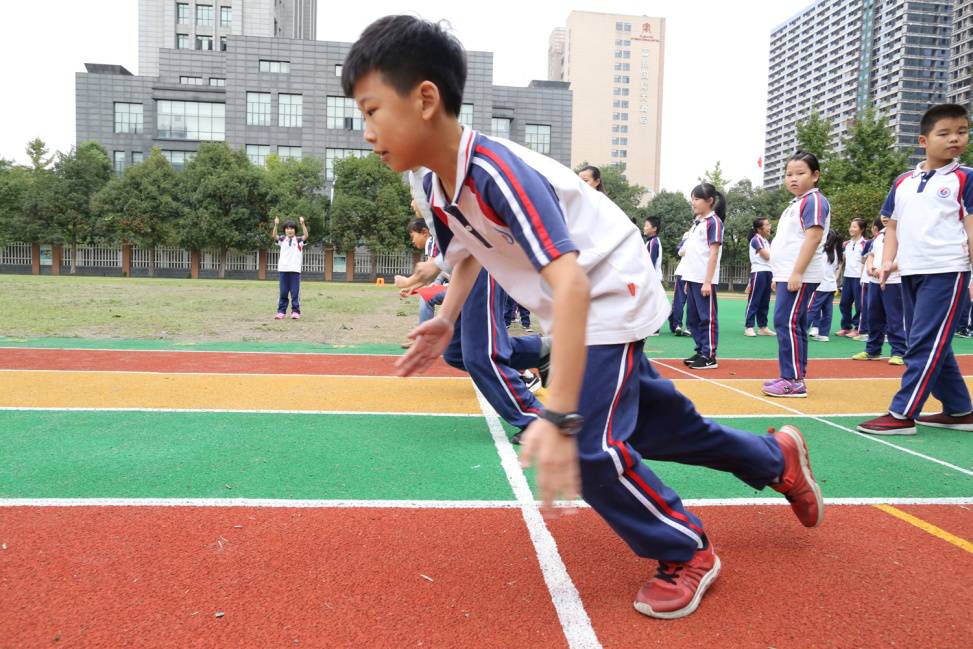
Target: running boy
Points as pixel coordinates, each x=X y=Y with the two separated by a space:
x=289 y=264
x=570 y=255
x=929 y=235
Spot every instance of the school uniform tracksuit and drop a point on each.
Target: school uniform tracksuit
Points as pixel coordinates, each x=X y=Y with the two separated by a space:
x=761 y=279
x=701 y=310
x=851 y=287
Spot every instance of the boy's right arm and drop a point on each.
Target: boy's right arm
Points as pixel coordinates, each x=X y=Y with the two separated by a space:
x=273 y=233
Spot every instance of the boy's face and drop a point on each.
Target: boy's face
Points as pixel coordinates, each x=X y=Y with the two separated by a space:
x=290 y=232
x=419 y=238
x=947 y=139
x=648 y=229
x=394 y=125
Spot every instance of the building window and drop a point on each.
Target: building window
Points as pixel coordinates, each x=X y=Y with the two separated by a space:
x=226 y=16
x=620 y=103
x=289 y=152
x=222 y=43
x=204 y=15
x=623 y=27
x=178 y=159
x=330 y=155
x=258 y=154
x=191 y=120
x=337 y=70
x=622 y=67
x=538 y=137
x=119 y=162
x=500 y=127
x=343 y=114
x=622 y=78
x=621 y=117
x=282 y=67
x=204 y=43
x=191 y=81
x=619 y=153
x=623 y=42
x=623 y=54
x=619 y=141
x=182 y=13
x=620 y=91
x=258 y=109
x=182 y=41
x=619 y=128
x=128 y=118
x=290 y=110
x=138 y=157
x=217 y=82
x=466 y=115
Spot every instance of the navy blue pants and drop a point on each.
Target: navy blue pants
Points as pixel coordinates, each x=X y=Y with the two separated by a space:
x=510 y=313
x=630 y=414
x=790 y=323
x=758 y=303
x=865 y=288
x=290 y=284
x=931 y=304
x=701 y=318
x=851 y=296
x=885 y=317
x=821 y=312
x=678 y=303
x=482 y=347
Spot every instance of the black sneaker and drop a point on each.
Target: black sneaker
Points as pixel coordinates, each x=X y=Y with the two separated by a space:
x=692 y=359
x=531 y=380
x=964 y=333
x=544 y=364
x=515 y=440
x=704 y=363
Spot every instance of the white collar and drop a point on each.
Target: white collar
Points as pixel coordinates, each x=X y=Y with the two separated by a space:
x=920 y=171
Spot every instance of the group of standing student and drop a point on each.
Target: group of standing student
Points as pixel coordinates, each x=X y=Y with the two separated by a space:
x=883 y=317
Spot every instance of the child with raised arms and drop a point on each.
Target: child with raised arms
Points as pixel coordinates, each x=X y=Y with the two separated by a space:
x=578 y=263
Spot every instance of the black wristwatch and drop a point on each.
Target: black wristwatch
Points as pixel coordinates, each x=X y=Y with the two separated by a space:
x=569 y=423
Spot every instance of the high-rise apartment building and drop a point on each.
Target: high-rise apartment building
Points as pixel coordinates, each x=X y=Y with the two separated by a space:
x=844 y=56
x=614 y=64
x=205 y=24
x=960 y=89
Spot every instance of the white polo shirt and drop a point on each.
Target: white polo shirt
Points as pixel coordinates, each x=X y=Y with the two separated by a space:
x=853 y=251
x=878 y=248
x=928 y=208
x=291 y=254
x=681 y=251
x=757 y=263
x=516 y=211
x=809 y=210
x=705 y=232
x=866 y=260
x=830 y=282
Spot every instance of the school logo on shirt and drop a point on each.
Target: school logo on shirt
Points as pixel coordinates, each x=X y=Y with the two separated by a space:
x=943 y=192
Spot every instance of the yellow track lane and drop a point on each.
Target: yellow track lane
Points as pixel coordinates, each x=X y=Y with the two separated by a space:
x=32 y=389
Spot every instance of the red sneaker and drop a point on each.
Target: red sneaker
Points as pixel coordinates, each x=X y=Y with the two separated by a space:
x=677 y=588
x=888 y=425
x=942 y=420
x=797 y=481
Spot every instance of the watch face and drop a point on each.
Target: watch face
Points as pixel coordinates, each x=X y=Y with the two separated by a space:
x=572 y=424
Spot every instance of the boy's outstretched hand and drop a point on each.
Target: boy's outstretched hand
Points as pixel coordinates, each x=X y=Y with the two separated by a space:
x=276 y=220
x=431 y=339
x=556 y=457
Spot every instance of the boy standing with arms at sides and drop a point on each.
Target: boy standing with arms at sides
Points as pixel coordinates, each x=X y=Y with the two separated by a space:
x=289 y=267
x=929 y=237
x=572 y=256
x=652 y=243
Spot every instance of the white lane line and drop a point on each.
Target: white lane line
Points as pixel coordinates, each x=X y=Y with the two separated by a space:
x=195 y=351
x=267 y=374
x=871 y=438
x=274 y=503
x=574 y=619
x=247 y=411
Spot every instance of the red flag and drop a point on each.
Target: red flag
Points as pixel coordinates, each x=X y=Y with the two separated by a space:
x=760 y=162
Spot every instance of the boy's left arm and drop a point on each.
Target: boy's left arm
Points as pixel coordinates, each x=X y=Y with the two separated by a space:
x=968 y=225
x=304 y=227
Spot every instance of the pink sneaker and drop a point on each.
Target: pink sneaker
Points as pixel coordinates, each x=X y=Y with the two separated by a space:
x=279 y=316
x=787 y=389
x=295 y=315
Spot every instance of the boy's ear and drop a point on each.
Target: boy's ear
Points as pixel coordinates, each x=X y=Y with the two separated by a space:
x=430 y=101
x=923 y=141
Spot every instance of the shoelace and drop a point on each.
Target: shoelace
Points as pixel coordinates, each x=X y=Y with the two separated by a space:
x=669 y=571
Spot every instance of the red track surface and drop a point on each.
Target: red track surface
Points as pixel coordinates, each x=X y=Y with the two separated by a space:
x=352 y=578
x=368 y=365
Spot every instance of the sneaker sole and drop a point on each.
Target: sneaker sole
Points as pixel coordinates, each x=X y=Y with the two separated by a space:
x=888 y=432
x=800 y=395
x=693 y=604
x=963 y=427
x=705 y=367
x=805 y=458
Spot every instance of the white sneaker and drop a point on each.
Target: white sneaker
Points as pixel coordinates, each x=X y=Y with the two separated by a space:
x=750 y=332
x=812 y=332
x=820 y=339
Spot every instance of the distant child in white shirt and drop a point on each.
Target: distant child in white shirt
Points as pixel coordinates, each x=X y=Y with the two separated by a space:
x=289 y=267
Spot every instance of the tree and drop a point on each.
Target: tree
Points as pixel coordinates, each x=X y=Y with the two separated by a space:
x=814 y=136
x=14 y=186
x=371 y=206
x=627 y=196
x=869 y=155
x=675 y=217
x=36 y=150
x=861 y=200
x=142 y=206
x=296 y=188
x=716 y=178
x=745 y=203
x=78 y=176
x=224 y=202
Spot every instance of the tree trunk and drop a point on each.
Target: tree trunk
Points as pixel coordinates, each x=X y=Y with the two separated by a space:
x=222 y=274
x=374 y=261
x=74 y=257
x=152 y=261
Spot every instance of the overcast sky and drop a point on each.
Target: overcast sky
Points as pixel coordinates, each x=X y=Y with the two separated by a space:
x=714 y=97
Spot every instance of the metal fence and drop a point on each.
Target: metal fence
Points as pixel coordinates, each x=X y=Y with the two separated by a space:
x=17 y=254
x=165 y=258
x=389 y=263
x=93 y=257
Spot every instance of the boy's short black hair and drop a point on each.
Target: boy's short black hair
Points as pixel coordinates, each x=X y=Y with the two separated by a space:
x=938 y=112
x=655 y=221
x=290 y=224
x=416 y=225
x=407 y=51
